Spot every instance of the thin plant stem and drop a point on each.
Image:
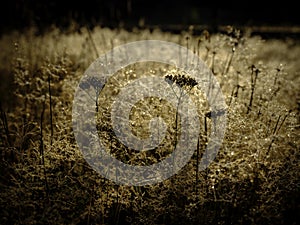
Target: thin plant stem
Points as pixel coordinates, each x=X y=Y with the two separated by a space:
x=51 y=113
x=283 y=120
x=254 y=75
x=229 y=61
x=197 y=165
x=276 y=129
x=187 y=51
x=42 y=150
x=198 y=52
x=231 y=96
x=176 y=130
x=207 y=53
x=213 y=63
x=276 y=76
x=5 y=125
x=93 y=42
x=237 y=87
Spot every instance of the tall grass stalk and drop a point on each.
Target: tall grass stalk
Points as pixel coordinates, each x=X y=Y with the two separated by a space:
x=235 y=89
x=197 y=166
x=5 y=125
x=229 y=61
x=254 y=74
x=276 y=129
x=93 y=42
x=50 y=108
x=42 y=152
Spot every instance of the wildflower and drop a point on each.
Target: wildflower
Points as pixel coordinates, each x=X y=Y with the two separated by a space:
x=91 y=81
x=216 y=113
x=181 y=80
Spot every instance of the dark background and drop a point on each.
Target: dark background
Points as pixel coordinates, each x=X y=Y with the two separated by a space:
x=19 y=14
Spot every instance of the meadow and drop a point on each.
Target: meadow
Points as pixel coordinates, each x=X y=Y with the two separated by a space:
x=45 y=179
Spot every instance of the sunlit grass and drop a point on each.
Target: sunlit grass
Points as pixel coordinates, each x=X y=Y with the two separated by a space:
x=44 y=177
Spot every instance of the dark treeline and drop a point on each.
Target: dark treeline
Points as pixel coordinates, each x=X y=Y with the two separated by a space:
x=18 y=14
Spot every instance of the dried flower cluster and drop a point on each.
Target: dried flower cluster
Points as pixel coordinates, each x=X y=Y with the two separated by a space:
x=181 y=80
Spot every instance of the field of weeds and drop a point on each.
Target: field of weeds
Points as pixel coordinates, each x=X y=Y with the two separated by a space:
x=45 y=179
